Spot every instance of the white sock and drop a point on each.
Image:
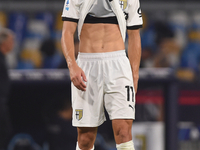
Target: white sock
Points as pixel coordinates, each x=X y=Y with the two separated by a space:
x=77 y=147
x=126 y=146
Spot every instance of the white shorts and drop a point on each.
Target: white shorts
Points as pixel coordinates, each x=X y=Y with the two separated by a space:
x=109 y=84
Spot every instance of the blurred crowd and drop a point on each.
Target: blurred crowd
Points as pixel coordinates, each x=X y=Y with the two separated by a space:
x=172 y=40
x=37 y=42
x=169 y=39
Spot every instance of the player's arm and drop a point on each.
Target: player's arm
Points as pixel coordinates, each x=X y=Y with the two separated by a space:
x=134 y=23
x=134 y=54
x=67 y=43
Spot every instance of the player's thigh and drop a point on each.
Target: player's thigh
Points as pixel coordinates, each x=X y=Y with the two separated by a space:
x=122 y=130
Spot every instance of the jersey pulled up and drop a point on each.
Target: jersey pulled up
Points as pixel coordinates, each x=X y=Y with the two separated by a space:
x=127 y=12
x=101 y=9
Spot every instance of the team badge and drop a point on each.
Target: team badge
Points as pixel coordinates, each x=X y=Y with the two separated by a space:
x=79 y=114
x=67 y=5
x=123 y=4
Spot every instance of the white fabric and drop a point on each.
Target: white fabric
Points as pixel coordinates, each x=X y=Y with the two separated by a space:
x=109 y=83
x=101 y=8
x=77 y=147
x=134 y=13
x=126 y=146
x=78 y=9
x=120 y=17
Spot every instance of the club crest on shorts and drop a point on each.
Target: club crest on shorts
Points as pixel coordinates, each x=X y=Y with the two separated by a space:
x=123 y=4
x=79 y=114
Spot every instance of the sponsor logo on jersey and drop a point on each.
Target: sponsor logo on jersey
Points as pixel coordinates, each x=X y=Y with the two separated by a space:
x=67 y=5
x=123 y=4
x=79 y=114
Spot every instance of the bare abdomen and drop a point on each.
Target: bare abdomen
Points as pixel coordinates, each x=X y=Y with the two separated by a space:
x=97 y=38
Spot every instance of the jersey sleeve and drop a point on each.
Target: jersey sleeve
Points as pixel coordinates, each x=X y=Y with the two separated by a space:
x=134 y=20
x=70 y=11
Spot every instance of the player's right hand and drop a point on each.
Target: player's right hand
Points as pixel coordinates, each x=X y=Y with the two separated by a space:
x=78 y=77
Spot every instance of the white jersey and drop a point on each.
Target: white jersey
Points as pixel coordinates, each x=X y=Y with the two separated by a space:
x=100 y=9
x=128 y=12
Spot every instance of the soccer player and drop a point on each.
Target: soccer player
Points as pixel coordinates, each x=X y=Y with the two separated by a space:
x=102 y=75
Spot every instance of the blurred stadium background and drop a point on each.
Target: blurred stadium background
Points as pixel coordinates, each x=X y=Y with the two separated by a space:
x=168 y=99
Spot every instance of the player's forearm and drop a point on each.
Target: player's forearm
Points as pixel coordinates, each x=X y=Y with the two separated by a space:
x=134 y=53
x=67 y=43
